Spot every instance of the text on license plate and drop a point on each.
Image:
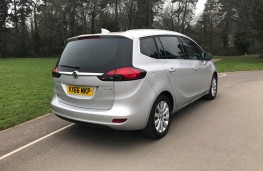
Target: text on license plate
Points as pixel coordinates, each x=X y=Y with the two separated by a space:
x=80 y=90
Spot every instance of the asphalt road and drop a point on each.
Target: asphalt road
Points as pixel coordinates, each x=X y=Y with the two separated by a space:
x=224 y=134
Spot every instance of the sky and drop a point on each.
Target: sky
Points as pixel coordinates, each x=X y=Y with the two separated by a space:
x=200 y=7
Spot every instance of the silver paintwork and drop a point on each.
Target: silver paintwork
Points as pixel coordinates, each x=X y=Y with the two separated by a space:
x=185 y=80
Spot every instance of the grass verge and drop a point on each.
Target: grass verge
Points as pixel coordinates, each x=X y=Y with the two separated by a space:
x=238 y=63
x=25 y=89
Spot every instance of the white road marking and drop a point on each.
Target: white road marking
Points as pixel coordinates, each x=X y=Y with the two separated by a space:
x=34 y=142
x=221 y=75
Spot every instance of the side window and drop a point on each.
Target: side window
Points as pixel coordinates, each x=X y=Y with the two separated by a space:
x=191 y=49
x=172 y=47
x=160 y=48
x=148 y=47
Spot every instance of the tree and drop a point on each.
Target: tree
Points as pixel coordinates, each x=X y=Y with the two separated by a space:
x=242 y=41
x=257 y=19
x=178 y=15
x=4 y=5
x=187 y=10
x=227 y=16
x=19 y=12
x=34 y=28
x=3 y=13
x=146 y=10
x=244 y=31
x=42 y=27
x=210 y=19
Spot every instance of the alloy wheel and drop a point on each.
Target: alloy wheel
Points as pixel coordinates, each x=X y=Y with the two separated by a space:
x=214 y=87
x=161 y=117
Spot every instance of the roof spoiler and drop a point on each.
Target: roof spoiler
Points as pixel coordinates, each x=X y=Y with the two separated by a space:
x=104 y=31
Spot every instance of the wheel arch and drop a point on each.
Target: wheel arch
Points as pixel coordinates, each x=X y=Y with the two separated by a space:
x=169 y=96
x=215 y=74
x=150 y=129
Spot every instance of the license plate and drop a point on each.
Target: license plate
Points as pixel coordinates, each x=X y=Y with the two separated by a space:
x=80 y=90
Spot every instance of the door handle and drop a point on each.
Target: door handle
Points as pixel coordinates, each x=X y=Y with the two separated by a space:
x=172 y=70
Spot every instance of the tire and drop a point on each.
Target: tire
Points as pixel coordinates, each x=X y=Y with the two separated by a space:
x=213 y=89
x=159 y=119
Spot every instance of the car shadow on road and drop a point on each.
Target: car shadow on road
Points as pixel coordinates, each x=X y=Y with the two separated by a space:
x=112 y=139
x=188 y=111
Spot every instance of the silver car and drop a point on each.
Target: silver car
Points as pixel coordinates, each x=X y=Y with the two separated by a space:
x=131 y=80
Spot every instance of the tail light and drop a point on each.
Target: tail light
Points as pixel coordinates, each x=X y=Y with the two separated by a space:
x=55 y=73
x=123 y=74
x=118 y=120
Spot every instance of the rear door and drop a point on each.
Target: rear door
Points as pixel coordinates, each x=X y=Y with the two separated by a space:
x=178 y=69
x=80 y=66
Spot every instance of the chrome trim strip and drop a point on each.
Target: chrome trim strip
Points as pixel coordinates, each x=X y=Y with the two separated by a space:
x=82 y=73
x=66 y=73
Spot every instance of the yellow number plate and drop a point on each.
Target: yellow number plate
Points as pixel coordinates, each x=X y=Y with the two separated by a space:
x=80 y=90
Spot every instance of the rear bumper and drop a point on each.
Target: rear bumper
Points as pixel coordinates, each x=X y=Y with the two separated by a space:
x=135 y=109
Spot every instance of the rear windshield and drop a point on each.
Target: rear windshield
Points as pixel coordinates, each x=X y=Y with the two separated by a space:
x=97 y=55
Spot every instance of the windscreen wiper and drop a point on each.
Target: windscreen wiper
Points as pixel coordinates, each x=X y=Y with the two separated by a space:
x=70 y=66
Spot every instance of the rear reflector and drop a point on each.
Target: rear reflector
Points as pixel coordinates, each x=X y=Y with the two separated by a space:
x=123 y=74
x=118 y=120
x=55 y=73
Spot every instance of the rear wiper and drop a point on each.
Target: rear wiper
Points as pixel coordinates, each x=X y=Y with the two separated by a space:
x=70 y=66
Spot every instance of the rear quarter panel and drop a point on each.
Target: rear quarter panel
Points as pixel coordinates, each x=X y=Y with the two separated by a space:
x=156 y=75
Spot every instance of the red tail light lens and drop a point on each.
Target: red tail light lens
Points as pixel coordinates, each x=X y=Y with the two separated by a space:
x=118 y=120
x=55 y=73
x=123 y=74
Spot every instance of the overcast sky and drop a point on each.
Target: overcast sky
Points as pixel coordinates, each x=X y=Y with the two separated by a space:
x=200 y=7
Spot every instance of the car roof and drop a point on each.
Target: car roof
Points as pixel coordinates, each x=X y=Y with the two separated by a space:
x=131 y=34
x=151 y=32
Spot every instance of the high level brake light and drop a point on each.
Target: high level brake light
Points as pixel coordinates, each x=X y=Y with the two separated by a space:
x=88 y=37
x=123 y=74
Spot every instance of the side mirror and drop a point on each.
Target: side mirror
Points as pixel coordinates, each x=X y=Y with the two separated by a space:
x=207 y=56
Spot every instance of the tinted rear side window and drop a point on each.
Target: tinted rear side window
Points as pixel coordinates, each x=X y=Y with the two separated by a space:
x=96 y=55
x=160 y=48
x=172 y=47
x=148 y=47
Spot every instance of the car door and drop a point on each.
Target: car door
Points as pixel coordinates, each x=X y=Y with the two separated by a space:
x=178 y=69
x=202 y=69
